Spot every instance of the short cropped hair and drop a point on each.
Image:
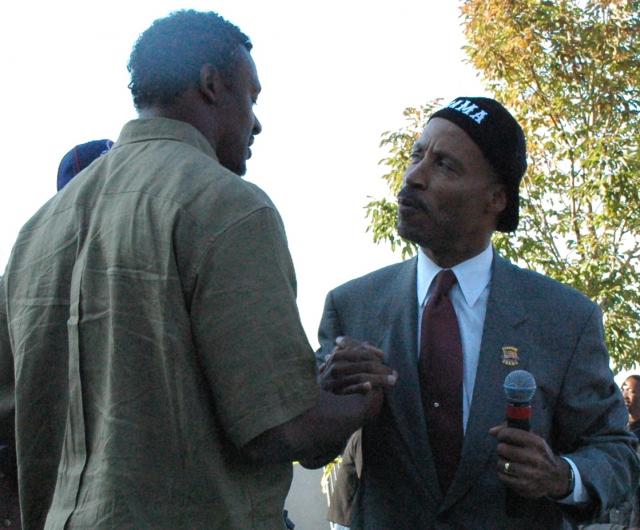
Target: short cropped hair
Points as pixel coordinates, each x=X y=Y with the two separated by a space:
x=167 y=58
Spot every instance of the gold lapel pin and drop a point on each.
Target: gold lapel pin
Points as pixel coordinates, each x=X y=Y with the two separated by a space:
x=510 y=356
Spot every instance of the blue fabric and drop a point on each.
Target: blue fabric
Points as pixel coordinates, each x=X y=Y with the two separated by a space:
x=79 y=158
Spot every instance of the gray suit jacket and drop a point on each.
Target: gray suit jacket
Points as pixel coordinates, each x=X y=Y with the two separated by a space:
x=578 y=408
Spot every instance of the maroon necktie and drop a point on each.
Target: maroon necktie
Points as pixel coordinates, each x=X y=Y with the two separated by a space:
x=440 y=369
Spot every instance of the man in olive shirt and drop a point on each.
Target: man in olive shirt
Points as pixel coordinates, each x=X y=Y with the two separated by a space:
x=161 y=376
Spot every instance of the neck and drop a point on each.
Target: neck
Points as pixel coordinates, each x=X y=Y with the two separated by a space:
x=449 y=259
x=151 y=112
x=188 y=108
x=173 y=112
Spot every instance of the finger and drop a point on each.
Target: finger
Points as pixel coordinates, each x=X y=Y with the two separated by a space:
x=360 y=388
x=533 y=452
x=340 y=368
x=513 y=453
x=496 y=429
x=361 y=350
x=348 y=343
x=507 y=468
x=518 y=437
x=375 y=381
x=515 y=477
x=338 y=381
x=373 y=349
x=357 y=354
x=514 y=470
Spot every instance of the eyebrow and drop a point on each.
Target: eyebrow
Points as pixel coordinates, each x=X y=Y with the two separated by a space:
x=417 y=147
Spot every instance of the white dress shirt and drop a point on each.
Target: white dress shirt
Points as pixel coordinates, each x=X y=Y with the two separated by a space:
x=469 y=297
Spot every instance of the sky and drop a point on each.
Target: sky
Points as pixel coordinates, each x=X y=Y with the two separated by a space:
x=335 y=75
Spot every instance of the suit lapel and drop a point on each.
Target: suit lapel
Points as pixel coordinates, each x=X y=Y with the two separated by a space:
x=398 y=318
x=505 y=315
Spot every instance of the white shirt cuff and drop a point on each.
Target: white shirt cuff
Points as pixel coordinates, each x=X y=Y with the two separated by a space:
x=579 y=494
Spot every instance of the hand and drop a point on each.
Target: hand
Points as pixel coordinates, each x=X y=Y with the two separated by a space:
x=533 y=470
x=355 y=367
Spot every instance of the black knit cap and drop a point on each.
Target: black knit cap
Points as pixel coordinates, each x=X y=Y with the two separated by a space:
x=500 y=138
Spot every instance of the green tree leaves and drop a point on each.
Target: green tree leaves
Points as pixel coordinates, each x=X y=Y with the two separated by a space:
x=569 y=70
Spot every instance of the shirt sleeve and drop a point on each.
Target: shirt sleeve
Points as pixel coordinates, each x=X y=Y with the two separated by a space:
x=246 y=326
x=6 y=377
x=579 y=494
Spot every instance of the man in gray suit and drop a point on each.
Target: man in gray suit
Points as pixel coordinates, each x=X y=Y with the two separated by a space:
x=440 y=455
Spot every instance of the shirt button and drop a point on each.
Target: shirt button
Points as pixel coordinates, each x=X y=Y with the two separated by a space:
x=436 y=404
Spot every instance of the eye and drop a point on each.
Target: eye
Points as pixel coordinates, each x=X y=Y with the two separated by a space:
x=415 y=156
x=443 y=163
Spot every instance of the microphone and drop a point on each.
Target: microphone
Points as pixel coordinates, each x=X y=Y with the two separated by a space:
x=519 y=388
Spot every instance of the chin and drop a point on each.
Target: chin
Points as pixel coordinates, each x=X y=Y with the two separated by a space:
x=238 y=169
x=410 y=233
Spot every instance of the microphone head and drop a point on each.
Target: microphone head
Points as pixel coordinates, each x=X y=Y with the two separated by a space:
x=519 y=386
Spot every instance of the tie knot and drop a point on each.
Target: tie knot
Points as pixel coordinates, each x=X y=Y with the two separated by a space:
x=445 y=280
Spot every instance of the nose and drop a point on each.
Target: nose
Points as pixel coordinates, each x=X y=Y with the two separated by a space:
x=257 y=126
x=416 y=176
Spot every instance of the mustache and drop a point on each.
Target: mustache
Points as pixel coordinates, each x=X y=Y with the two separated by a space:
x=410 y=198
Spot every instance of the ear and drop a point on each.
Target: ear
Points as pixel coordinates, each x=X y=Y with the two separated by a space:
x=210 y=84
x=498 y=199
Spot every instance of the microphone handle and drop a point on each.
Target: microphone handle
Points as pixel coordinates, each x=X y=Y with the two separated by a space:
x=523 y=425
x=518 y=417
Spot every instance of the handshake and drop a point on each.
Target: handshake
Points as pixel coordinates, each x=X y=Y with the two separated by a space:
x=356 y=367
x=353 y=378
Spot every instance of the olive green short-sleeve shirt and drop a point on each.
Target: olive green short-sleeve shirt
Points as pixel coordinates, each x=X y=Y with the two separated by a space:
x=151 y=314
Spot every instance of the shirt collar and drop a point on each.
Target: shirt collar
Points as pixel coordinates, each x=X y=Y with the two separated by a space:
x=146 y=129
x=473 y=275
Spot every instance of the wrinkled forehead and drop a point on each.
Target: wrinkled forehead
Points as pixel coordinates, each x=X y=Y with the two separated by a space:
x=445 y=131
x=444 y=136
